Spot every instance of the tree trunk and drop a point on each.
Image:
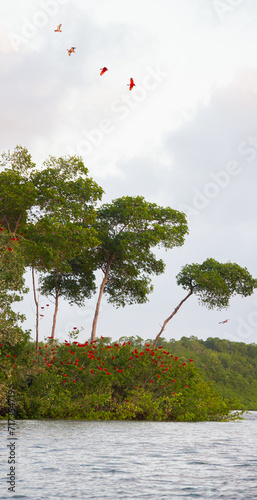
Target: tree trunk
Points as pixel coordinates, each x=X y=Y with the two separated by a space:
x=36 y=302
x=93 y=332
x=55 y=308
x=171 y=316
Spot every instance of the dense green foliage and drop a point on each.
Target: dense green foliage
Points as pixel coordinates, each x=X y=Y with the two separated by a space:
x=46 y=219
x=214 y=283
x=232 y=366
x=103 y=380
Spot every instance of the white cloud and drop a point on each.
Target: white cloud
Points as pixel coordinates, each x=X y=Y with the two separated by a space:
x=191 y=113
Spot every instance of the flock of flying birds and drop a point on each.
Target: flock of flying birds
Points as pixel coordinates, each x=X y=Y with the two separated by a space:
x=131 y=84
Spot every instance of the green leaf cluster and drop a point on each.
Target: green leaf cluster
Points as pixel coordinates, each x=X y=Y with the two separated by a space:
x=215 y=283
x=128 y=229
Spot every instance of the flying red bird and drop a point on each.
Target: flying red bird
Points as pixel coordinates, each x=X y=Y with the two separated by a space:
x=131 y=84
x=58 y=28
x=103 y=70
x=222 y=322
x=72 y=49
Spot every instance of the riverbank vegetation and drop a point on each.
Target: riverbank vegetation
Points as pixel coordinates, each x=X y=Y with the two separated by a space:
x=124 y=380
x=51 y=225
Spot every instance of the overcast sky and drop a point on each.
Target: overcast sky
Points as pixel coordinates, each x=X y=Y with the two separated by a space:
x=184 y=137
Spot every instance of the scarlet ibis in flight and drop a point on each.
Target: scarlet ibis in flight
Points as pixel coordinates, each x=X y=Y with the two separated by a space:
x=103 y=70
x=222 y=322
x=58 y=28
x=131 y=84
x=72 y=49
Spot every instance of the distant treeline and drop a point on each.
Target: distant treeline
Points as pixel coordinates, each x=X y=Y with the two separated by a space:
x=232 y=366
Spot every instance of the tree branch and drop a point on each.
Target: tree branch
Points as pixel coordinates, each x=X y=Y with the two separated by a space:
x=171 y=316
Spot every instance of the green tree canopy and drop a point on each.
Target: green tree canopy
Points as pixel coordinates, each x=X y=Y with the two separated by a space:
x=62 y=230
x=214 y=284
x=48 y=214
x=64 y=190
x=128 y=228
x=17 y=191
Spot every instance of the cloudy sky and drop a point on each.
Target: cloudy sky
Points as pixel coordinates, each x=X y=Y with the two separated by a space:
x=184 y=137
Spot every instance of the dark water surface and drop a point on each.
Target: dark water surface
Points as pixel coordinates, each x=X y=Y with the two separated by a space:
x=66 y=459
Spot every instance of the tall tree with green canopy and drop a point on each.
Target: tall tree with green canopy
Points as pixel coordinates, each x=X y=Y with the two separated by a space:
x=51 y=212
x=214 y=284
x=128 y=228
x=62 y=229
x=17 y=196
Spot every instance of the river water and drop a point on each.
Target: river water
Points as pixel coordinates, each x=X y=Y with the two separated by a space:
x=66 y=459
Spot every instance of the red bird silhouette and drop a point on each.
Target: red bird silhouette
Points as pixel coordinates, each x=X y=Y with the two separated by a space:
x=103 y=70
x=58 y=28
x=72 y=49
x=222 y=322
x=131 y=84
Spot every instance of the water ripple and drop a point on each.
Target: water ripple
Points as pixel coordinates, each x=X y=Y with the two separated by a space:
x=133 y=460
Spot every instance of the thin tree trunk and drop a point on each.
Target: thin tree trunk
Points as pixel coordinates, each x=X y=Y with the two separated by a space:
x=93 y=332
x=55 y=308
x=36 y=302
x=171 y=316
x=17 y=224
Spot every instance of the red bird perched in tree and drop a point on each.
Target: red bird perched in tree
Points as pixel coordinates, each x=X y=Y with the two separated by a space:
x=58 y=28
x=131 y=84
x=103 y=70
x=72 y=49
x=222 y=322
